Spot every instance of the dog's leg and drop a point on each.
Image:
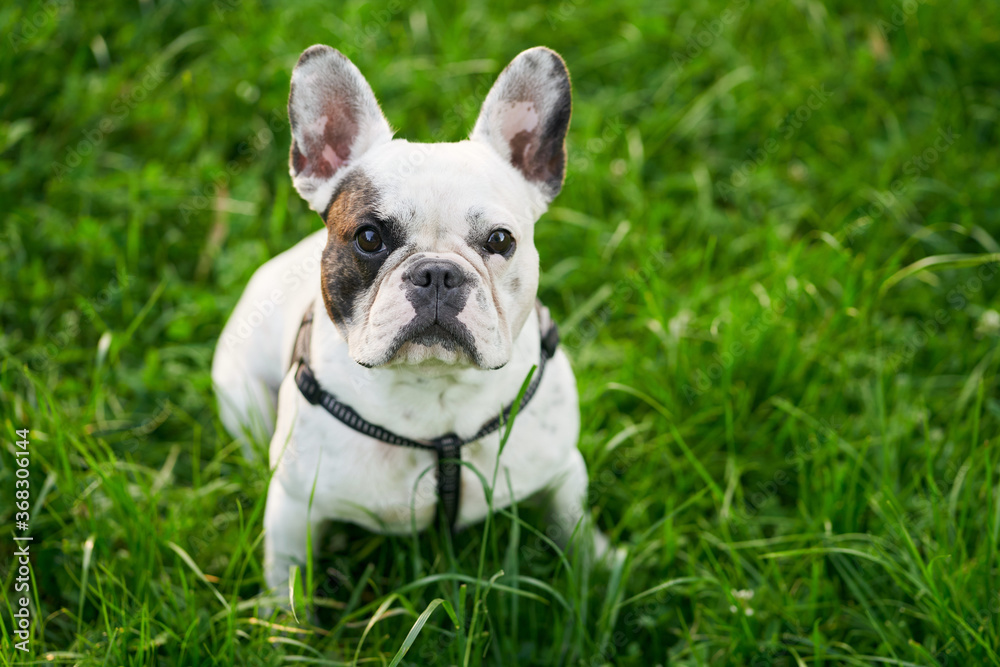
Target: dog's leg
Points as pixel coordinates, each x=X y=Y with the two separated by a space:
x=253 y=353
x=246 y=406
x=568 y=512
x=286 y=522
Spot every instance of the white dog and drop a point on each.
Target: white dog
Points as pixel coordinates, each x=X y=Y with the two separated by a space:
x=389 y=343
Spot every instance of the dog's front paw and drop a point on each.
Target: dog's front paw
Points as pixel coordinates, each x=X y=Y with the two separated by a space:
x=605 y=554
x=601 y=544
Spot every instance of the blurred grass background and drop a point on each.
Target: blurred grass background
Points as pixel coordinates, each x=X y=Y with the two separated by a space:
x=775 y=262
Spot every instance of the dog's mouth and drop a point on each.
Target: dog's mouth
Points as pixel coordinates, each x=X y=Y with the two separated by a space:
x=435 y=334
x=446 y=342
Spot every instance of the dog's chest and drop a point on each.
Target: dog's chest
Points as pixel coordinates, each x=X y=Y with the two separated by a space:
x=392 y=488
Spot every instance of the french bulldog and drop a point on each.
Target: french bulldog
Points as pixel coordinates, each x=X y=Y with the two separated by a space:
x=421 y=292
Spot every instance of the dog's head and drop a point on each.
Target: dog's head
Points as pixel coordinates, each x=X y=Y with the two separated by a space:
x=430 y=256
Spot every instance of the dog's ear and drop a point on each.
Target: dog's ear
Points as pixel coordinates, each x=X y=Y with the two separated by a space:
x=525 y=117
x=335 y=119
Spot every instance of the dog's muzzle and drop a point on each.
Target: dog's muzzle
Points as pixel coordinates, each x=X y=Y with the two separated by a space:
x=438 y=290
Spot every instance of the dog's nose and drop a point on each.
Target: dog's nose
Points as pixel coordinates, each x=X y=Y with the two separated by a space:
x=440 y=274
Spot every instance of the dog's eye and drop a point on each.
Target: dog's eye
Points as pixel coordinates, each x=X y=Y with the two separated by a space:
x=499 y=242
x=369 y=240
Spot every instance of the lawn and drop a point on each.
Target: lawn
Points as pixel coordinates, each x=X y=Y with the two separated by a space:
x=776 y=267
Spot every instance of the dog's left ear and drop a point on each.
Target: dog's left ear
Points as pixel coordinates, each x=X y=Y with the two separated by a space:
x=525 y=117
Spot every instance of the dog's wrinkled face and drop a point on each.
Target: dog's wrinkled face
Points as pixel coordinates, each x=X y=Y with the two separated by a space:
x=432 y=262
x=430 y=256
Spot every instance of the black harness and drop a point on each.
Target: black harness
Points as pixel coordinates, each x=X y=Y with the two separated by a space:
x=448 y=447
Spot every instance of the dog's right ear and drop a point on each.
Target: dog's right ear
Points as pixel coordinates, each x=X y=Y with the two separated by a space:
x=335 y=119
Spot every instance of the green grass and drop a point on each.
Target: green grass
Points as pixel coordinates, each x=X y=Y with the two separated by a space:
x=773 y=402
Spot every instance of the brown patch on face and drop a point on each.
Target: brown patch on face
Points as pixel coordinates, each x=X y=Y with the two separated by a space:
x=354 y=200
x=346 y=272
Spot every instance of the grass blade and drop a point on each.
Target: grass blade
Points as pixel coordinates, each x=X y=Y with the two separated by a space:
x=418 y=625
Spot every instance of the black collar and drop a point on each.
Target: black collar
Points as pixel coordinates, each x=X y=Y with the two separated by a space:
x=448 y=446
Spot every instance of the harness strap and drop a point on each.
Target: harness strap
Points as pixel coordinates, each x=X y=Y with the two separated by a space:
x=448 y=447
